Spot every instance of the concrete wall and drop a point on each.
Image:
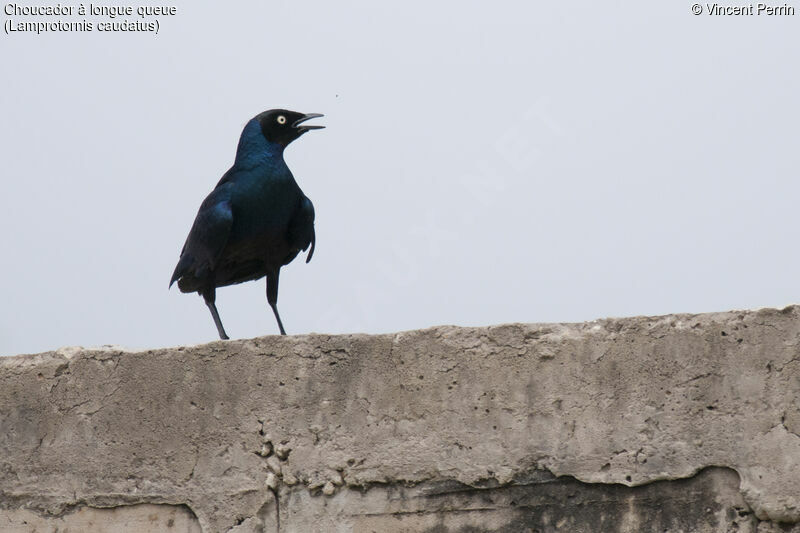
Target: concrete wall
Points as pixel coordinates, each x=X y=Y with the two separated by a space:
x=668 y=424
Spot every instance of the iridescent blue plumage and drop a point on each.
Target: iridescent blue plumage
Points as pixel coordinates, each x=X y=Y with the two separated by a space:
x=254 y=221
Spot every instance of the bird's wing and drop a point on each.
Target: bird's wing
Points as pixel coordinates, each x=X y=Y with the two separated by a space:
x=206 y=240
x=301 y=227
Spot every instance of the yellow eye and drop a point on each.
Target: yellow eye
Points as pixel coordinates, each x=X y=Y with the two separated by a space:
x=281 y=119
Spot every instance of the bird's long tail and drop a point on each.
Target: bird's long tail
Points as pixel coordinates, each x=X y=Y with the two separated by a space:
x=181 y=268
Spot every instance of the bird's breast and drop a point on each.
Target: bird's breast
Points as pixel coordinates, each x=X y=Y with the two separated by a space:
x=261 y=215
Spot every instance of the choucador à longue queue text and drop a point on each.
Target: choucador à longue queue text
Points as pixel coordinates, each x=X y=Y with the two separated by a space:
x=145 y=22
x=92 y=9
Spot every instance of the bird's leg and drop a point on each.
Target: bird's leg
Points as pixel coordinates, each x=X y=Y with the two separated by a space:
x=272 y=297
x=217 y=322
x=210 y=296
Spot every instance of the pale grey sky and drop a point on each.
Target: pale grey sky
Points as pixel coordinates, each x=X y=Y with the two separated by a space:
x=482 y=163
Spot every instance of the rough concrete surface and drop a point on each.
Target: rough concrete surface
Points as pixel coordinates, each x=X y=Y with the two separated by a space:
x=678 y=423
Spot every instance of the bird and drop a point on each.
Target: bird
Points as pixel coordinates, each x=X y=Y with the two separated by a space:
x=256 y=219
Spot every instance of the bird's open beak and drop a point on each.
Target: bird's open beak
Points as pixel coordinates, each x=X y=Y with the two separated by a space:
x=309 y=116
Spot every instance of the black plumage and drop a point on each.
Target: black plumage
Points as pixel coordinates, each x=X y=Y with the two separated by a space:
x=256 y=219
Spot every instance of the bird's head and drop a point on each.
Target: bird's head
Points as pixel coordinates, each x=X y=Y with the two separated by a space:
x=282 y=126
